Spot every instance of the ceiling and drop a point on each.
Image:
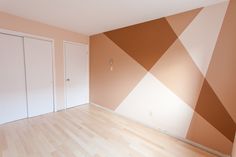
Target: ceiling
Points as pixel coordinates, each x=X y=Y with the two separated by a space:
x=95 y=16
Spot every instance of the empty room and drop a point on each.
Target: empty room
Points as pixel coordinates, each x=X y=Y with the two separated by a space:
x=117 y=78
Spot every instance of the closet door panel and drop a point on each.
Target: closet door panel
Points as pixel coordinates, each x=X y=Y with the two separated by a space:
x=13 y=104
x=39 y=75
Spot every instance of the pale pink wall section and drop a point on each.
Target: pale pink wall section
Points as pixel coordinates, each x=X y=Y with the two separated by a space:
x=234 y=148
x=19 y=24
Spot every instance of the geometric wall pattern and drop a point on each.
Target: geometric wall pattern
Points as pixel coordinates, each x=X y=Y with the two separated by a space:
x=177 y=74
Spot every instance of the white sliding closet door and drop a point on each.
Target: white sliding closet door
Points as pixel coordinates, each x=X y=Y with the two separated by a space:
x=39 y=74
x=13 y=104
x=77 y=74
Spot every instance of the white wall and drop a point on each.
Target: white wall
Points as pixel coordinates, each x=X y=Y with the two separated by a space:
x=157 y=107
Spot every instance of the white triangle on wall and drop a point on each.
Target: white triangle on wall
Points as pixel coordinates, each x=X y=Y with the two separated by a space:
x=153 y=104
x=200 y=37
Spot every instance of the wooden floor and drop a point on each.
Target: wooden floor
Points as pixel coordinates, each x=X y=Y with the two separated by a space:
x=88 y=131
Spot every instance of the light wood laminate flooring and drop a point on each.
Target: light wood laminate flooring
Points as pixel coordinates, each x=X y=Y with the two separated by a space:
x=88 y=131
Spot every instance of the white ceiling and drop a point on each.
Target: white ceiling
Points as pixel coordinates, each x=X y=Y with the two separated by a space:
x=96 y=16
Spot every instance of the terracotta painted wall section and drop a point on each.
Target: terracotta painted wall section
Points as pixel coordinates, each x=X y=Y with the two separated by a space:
x=176 y=74
x=19 y=24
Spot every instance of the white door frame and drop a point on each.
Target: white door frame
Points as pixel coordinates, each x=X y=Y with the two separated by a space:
x=64 y=55
x=24 y=35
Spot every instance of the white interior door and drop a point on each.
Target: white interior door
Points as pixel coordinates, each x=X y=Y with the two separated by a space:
x=13 y=104
x=77 y=74
x=39 y=74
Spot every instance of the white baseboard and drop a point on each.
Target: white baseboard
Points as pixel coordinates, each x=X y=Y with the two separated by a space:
x=209 y=150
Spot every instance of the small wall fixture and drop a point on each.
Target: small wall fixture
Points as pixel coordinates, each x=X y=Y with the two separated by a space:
x=111 y=62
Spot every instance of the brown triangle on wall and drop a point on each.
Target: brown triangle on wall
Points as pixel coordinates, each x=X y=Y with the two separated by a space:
x=145 y=42
x=212 y=110
x=179 y=22
x=111 y=83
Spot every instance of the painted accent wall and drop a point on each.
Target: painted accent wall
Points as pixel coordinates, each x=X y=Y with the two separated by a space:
x=15 y=23
x=175 y=73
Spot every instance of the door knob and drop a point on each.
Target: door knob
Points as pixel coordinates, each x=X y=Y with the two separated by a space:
x=67 y=80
